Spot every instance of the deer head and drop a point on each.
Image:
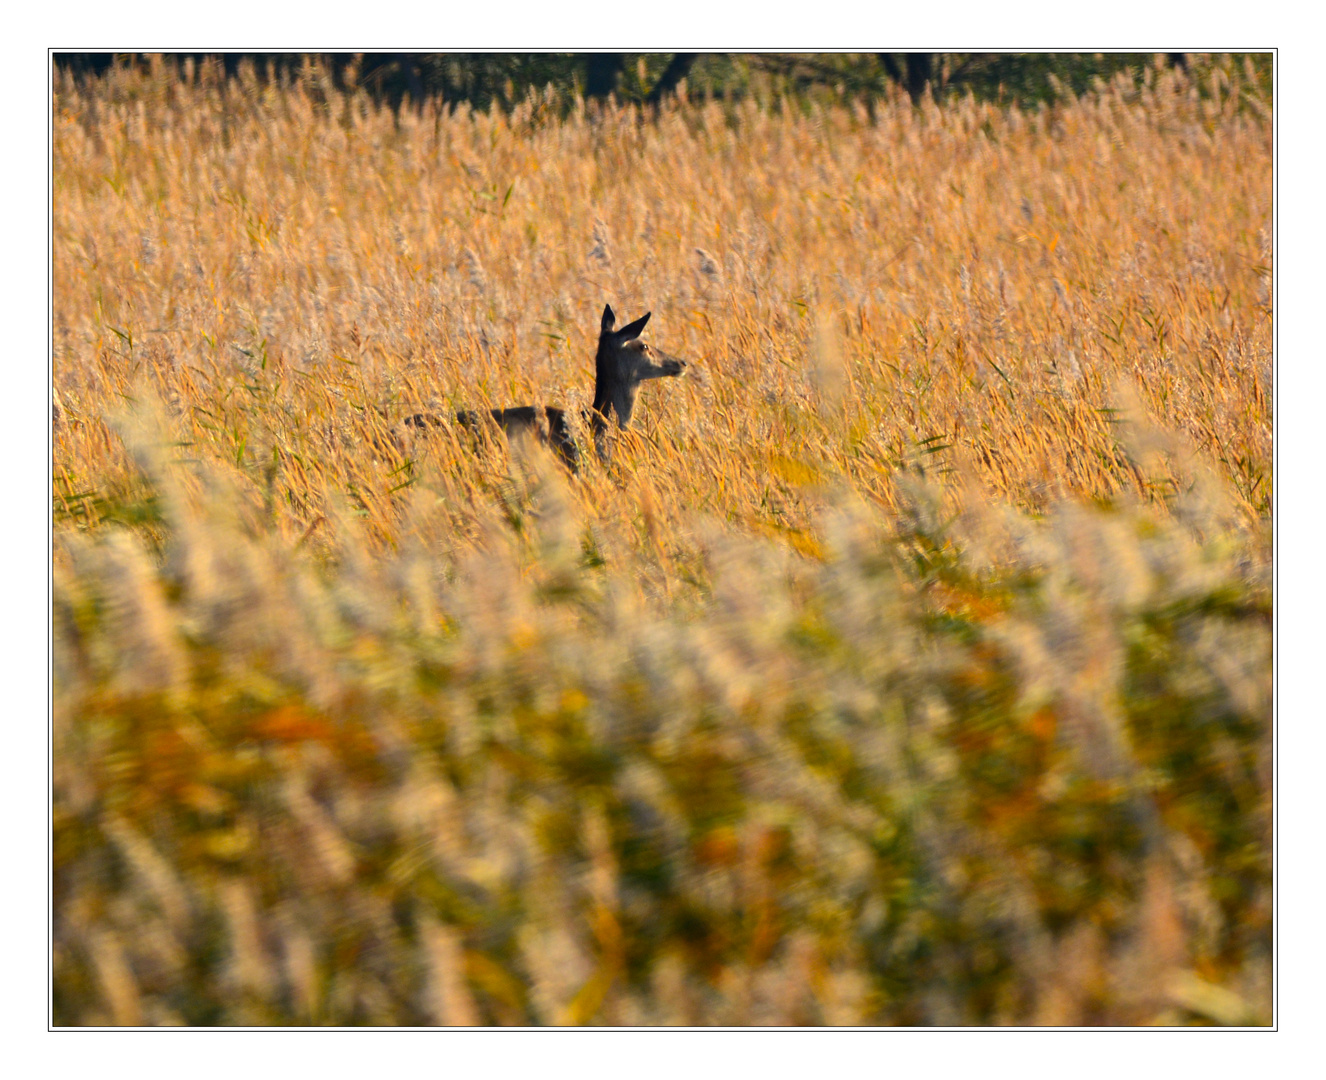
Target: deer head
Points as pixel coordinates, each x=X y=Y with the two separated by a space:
x=622 y=363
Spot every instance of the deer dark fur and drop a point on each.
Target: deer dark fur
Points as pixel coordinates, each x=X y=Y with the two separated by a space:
x=621 y=364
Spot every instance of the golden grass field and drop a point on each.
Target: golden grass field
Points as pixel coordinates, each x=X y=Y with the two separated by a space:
x=910 y=662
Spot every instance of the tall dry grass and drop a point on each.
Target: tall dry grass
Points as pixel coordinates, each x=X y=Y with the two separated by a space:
x=282 y=264
x=910 y=663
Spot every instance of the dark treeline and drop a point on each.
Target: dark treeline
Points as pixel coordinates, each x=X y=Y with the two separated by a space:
x=504 y=79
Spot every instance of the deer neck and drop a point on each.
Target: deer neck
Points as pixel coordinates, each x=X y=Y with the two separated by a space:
x=612 y=394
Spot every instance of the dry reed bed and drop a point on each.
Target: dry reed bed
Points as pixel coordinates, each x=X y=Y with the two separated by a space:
x=287 y=268
x=793 y=714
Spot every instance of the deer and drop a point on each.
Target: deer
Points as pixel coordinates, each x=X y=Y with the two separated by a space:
x=621 y=364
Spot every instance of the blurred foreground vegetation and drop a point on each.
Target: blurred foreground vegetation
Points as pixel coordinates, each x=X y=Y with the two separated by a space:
x=990 y=771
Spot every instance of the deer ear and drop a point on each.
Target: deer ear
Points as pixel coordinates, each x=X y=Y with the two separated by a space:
x=633 y=330
x=609 y=320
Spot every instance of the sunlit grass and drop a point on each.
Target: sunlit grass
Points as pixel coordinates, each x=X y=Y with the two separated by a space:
x=909 y=662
